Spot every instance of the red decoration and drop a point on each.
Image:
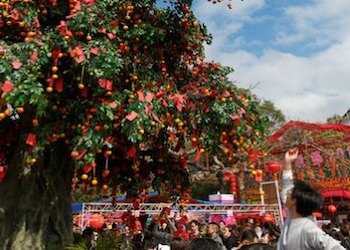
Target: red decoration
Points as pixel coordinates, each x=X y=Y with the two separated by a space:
x=7 y=87
x=2 y=173
x=138 y=225
x=268 y=218
x=16 y=64
x=96 y=221
x=274 y=167
x=132 y=116
x=254 y=155
x=105 y=83
x=31 y=139
x=232 y=178
x=332 y=209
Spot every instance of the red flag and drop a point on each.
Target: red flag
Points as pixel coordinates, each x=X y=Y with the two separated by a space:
x=31 y=139
x=149 y=97
x=148 y=109
x=105 y=83
x=80 y=58
x=94 y=51
x=59 y=85
x=234 y=117
x=113 y=105
x=81 y=154
x=178 y=100
x=7 y=87
x=131 y=116
x=87 y=168
x=16 y=64
x=111 y=36
x=155 y=118
x=141 y=96
x=131 y=152
x=198 y=155
x=34 y=57
x=164 y=103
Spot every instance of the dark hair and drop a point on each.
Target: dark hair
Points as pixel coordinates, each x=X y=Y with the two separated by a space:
x=257 y=246
x=88 y=232
x=273 y=229
x=344 y=229
x=204 y=244
x=178 y=244
x=307 y=198
x=248 y=235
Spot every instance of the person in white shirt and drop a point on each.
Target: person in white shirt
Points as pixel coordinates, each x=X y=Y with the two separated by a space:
x=300 y=231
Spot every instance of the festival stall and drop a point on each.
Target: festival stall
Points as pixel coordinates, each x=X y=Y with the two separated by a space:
x=323 y=159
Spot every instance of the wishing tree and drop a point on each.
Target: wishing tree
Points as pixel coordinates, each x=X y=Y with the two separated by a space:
x=106 y=96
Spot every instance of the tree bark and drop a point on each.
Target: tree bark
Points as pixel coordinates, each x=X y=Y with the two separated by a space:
x=35 y=200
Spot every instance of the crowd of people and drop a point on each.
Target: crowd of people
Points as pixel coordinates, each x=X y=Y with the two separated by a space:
x=299 y=231
x=251 y=233
x=162 y=233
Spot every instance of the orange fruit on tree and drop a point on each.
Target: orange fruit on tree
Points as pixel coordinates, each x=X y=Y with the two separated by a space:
x=35 y=122
x=20 y=110
x=8 y=112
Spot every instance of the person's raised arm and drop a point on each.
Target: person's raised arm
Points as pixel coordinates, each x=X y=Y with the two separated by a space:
x=287 y=173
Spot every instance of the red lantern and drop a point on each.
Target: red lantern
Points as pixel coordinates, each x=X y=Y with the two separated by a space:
x=96 y=221
x=233 y=184
x=332 y=209
x=274 y=167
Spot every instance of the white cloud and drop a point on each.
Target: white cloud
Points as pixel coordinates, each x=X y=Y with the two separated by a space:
x=222 y=22
x=308 y=88
x=321 y=22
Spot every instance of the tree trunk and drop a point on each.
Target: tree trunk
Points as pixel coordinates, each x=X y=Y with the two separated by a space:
x=35 y=201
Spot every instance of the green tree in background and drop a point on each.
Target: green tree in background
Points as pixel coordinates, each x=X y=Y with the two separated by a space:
x=103 y=95
x=275 y=116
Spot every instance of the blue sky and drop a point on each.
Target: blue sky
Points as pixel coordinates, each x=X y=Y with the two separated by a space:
x=295 y=53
